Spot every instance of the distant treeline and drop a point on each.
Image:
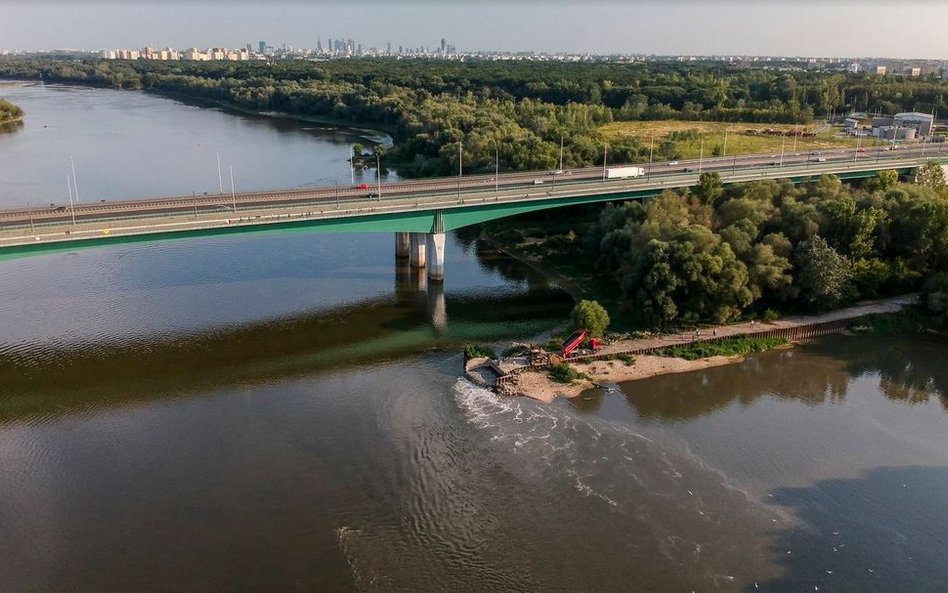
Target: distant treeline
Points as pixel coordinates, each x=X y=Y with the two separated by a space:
x=520 y=109
x=9 y=112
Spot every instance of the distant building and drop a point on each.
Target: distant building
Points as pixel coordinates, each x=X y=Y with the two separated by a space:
x=854 y=68
x=921 y=122
x=880 y=70
x=262 y=47
x=915 y=71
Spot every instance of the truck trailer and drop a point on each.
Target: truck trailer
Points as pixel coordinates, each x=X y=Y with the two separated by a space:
x=624 y=172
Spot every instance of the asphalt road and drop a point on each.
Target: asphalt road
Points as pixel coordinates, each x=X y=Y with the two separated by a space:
x=440 y=187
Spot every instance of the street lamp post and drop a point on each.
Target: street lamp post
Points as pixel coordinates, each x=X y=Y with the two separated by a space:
x=378 y=174
x=701 y=155
x=30 y=208
x=460 y=167
x=233 y=191
x=75 y=180
x=220 y=177
x=72 y=208
x=783 y=144
x=496 y=169
x=605 y=149
x=651 y=152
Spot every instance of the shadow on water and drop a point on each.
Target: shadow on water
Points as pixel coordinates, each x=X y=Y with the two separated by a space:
x=909 y=371
x=41 y=380
x=886 y=531
x=11 y=127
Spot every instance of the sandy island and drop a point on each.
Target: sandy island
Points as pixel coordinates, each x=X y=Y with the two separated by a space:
x=537 y=385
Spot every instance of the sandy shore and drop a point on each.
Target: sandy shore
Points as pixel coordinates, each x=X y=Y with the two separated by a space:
x=537 y=385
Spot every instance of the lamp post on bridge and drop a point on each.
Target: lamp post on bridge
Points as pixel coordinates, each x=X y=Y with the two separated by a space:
x=233 y=191
x=378 y=174
x=605 y=148
x=651 y=152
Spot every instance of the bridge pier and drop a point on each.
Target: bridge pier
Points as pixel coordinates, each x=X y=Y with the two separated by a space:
x=435 y=254
x=402 y=245
x=416 y=251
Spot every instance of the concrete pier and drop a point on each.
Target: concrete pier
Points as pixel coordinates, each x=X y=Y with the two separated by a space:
x=417 y=250
x=435 y=255
x=402 y=245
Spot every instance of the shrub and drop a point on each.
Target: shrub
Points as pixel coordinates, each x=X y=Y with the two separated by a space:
x=770 y=315
x=554 y=344
x=564 y=373
x=478 y=351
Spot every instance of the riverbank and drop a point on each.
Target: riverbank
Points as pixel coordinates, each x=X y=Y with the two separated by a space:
x=633 y=359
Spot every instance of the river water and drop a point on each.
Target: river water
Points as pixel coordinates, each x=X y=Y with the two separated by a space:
x=283 y=413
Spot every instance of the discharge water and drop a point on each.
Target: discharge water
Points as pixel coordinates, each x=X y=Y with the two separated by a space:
x=283 y=413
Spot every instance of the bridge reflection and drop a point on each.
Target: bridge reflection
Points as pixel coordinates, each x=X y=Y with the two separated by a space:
x=40 y=380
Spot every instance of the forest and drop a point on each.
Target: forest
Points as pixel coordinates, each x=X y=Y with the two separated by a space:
x=516 y=111
x=716 y=254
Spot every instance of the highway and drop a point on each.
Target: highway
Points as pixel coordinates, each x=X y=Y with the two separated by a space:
x=422 y=188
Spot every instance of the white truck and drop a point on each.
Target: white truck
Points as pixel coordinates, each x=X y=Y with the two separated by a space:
x=624 y=172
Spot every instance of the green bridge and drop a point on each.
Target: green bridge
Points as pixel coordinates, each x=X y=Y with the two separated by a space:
x=419 y=220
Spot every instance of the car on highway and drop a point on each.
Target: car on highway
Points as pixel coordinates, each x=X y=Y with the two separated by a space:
x=821 y=160
x=373 y=194
x=670 y=163
x=362 y=186
x=687 y=170
x=60 y=209
x=774 y=163
x=860 y=150
x=537 y=182
x=815 y=153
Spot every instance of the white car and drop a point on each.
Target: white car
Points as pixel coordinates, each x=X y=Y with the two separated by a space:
x=670 y=163
x=537 y=182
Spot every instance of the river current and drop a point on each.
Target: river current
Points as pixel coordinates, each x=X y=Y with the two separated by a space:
x=284 y=413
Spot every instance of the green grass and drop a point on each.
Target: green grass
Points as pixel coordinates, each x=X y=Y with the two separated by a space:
x=564 y=373
x=739 y=346
x=738 y=141
x=910 y=320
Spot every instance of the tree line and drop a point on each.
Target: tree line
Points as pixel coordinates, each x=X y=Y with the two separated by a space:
x=718 y=253
x=511 y=112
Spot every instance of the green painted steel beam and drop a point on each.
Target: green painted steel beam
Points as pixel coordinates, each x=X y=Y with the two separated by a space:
x=415 y=221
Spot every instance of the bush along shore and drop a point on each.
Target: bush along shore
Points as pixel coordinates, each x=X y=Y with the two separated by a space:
x=9 y=112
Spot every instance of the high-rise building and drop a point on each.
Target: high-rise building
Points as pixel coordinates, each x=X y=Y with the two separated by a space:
x=388 y=48
x=442 y=44
x=319 y=45
x=262 y=45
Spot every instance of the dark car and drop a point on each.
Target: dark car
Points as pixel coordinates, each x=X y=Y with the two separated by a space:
x=687 y=170
x=60 y=209
x=374 y=194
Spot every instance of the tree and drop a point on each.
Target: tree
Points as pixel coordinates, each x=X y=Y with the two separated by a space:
x=710 y=187
x=823 y=274
x=357 y=149
x=931 y=175
x=883 y=180
x=591 y=316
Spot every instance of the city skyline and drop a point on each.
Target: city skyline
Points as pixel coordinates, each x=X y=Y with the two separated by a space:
x=839 y=29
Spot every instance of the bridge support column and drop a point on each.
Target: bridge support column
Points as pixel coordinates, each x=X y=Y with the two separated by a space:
x=416 y=251
x=435 y=255
x=402 y=245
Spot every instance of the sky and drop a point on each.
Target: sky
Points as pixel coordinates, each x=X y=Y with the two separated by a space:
x=833 y=28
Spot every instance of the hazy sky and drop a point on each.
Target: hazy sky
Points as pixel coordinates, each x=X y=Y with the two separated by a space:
x=801 y=27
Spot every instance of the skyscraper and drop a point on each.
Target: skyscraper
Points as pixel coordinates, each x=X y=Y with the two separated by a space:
x=442 y=44
x=263 y=46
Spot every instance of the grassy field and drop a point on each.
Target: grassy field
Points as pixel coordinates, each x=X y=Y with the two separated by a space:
x=738 y=346
x=738 y=141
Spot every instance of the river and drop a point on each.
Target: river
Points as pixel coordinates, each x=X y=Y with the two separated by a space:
x=283 y=412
